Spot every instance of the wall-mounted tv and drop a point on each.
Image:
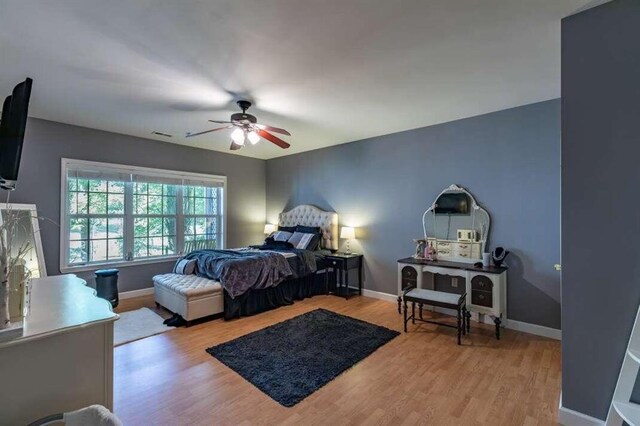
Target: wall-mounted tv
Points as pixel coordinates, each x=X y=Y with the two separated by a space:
x=453 y=203
x=14 y=120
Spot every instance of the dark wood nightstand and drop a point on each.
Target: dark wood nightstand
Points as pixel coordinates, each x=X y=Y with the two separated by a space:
x=342 y=264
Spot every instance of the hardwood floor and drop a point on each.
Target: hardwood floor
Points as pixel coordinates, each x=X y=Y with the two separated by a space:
x=421 y=377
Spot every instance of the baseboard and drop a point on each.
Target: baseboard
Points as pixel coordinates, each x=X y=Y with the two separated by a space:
x=568 y=417
x=135 y=293
x=525 y=327
x=539 y=330
x=380 y=295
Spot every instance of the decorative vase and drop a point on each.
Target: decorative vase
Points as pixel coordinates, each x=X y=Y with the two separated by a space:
x=5 y=317
x=17 y=293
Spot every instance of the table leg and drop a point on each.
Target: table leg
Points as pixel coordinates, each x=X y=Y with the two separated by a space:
x=360 y=279
x=346 y=283
x=464 y=321
x=459 y=321
x=497 y=321
x=399 y=305
x=406 y=308
x=468 y=321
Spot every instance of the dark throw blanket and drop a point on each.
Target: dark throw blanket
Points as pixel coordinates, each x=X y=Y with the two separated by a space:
x=241 y=270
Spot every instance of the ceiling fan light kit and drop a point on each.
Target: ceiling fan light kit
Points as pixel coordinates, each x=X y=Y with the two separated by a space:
x=247 y=128
x=238 y=136
x=253 y=137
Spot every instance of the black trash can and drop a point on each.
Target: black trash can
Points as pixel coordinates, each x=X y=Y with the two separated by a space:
x=107 y=285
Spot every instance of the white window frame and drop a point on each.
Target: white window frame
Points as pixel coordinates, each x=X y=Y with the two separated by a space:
x=67 y=163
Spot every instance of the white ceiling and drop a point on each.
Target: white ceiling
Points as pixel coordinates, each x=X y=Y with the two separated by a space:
x=329 y=71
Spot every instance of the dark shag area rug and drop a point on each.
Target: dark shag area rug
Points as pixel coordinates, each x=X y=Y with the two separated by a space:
x=290 y=360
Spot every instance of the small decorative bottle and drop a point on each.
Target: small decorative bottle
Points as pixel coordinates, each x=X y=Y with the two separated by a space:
x=433 y=252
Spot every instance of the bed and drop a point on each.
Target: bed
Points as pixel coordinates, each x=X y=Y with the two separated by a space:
x=247 y=281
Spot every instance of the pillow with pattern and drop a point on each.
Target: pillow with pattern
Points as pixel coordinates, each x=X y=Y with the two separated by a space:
x=306 y=241
x=281 y=235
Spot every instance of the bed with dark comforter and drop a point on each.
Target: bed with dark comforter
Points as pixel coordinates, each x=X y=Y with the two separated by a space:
x=261 y=278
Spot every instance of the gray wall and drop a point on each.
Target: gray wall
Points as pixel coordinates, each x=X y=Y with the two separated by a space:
x=39 y=182
x=509 y=160
x=600 y=219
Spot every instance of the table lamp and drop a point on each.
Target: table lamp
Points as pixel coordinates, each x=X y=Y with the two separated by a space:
x=269 y=228
x=348 y=233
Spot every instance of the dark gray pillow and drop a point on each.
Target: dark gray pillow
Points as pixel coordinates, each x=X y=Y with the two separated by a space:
x=291 y=229
x=185 y=267
x=309 y=229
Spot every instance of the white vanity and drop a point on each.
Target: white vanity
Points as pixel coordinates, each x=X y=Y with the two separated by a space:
x=458 y=229
x=64 y=359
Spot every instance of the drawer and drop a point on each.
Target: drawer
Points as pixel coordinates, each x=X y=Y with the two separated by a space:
x=338 y=263
x=469 y=250
x=463 y=247
x=466 y=254
x=444 y=245
x=480 y=282
x=482 y=298
x=444 y=252
x=345 y=263
x=409 y=273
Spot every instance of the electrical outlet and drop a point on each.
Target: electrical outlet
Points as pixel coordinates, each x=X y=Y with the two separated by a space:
x=454 y=282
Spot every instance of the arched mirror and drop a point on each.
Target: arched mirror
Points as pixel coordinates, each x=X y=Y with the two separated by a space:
x=456 y=226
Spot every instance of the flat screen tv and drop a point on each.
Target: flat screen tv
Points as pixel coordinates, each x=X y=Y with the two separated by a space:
x=452 y=203
x=14 y=120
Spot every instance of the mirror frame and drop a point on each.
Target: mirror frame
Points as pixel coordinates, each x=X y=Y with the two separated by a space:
x=36 y=231
x=474 y=205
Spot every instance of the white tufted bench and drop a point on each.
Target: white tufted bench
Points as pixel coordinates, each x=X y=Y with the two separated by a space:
x=191 y=296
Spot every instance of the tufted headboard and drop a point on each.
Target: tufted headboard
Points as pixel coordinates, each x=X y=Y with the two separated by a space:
x=308 y=215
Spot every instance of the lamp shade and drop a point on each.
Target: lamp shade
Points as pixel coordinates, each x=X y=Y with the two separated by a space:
x=348 y=233
x=269 y=228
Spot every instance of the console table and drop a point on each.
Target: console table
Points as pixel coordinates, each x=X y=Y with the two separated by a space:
x=64 y=359
x=486 y=288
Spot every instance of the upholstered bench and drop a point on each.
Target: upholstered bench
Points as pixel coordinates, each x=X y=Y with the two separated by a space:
x=190 y=296
x=440 y=299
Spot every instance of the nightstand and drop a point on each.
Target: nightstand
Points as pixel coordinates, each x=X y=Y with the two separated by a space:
x=342 y=265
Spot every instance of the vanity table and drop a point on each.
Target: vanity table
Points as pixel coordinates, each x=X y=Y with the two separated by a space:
x=457 y=228
x=486 y=288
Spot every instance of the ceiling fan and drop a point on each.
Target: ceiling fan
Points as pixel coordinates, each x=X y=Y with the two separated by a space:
x=247 y=128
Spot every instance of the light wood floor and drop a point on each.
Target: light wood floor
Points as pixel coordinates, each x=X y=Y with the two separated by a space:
x=421 y=377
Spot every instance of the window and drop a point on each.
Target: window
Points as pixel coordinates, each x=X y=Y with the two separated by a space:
x=114 y=214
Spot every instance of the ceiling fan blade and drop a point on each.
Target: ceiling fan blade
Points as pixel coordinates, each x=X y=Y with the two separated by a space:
x=273 y=139
x=235 y=146
x=273 y=129
x=190 y=135
x=219 y=122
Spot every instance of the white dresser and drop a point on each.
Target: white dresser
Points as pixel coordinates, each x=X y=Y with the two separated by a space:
x=64 y=360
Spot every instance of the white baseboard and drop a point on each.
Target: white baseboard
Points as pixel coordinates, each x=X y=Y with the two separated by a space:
x=135 y=293
x=380 y=295
x=568 y=417
x=525 y=327
x=539 y=330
